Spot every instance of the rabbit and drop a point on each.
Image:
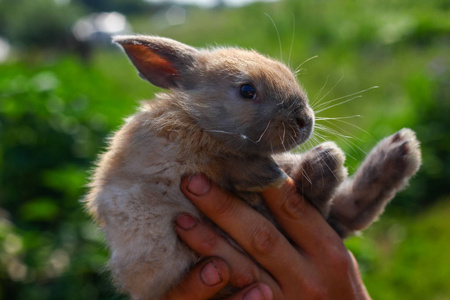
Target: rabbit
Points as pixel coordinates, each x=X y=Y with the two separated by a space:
x=233 y=115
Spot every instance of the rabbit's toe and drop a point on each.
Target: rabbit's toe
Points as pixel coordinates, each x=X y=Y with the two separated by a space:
x=404 y=152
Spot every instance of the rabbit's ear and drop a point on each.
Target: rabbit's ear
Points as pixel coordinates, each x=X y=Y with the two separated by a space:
x=163 y=62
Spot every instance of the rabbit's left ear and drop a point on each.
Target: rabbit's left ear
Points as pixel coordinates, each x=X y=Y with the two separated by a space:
x=163 y=62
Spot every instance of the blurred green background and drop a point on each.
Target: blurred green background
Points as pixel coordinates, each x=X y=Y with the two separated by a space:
x=64 y=89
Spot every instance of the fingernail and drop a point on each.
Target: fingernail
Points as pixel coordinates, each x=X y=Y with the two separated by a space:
x=198 y=185
x=254 y=294
x=210 y=274
x=186 y=221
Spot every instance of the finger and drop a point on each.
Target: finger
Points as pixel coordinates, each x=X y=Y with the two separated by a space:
x=207 y=242
x=301 y=222
x=254 y=233
x=258 y=291
x=203 y=282
x=362 y=291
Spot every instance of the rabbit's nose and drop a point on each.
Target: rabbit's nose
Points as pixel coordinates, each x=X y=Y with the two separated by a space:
x=304 y=121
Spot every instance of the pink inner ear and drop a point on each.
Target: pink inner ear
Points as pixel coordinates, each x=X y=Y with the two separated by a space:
x=152 y=66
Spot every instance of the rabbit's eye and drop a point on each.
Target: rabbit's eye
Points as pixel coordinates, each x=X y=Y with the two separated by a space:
x=248 y=91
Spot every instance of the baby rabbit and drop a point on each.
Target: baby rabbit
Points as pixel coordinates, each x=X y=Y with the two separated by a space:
x=232 y=115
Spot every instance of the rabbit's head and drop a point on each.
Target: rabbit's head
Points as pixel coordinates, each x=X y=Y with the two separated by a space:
x=244 y=99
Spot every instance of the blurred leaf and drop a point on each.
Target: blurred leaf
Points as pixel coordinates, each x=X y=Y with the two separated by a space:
x=41 y=209
x=68 y=179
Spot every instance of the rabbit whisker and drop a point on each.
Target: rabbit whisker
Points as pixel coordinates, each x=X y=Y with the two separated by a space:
x=242 y=136
x=343 y=97
x=298 y=69
x=336 y=131
x=337 y=118
x=294 y=130
x=283 y=137
x=264 y=132
x=292 y=40
x=278 y=34
x=306 y=176
x=331 y=130
x=337 y=83
x=337 y=104
x=224 y=132
x=344 y=138
x=314 y=100
x=350 y=124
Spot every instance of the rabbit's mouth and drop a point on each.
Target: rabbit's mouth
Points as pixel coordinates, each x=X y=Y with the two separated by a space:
x=291 y=134
x=282 y=135
x=305 y=127
x=298 y=130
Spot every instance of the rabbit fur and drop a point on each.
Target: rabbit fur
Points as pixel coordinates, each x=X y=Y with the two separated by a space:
x=207 y=124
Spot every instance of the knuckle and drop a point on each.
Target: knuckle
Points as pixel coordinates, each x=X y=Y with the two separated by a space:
x=265 y=238
x=341 y=261
x=226 y=207
x=245 y=277
x=296 y=207
x=317 y=294
x=314 y=290
x=339 y=258
x=289 y=202
x=208 y=244
x=185 y=289
x=182 y=291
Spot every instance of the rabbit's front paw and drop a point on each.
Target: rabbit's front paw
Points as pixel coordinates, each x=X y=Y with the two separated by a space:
x=318 y=174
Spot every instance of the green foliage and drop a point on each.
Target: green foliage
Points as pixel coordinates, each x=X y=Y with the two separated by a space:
x=56 y=113
x=407 y=257
x=54 y=119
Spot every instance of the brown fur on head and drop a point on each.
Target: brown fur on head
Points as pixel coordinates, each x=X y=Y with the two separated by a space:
x=207 y=85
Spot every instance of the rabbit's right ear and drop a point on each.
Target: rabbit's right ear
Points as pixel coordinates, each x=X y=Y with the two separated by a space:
x=163 y=62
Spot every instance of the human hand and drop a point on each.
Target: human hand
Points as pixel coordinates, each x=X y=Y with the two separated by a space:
x=315 y=266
